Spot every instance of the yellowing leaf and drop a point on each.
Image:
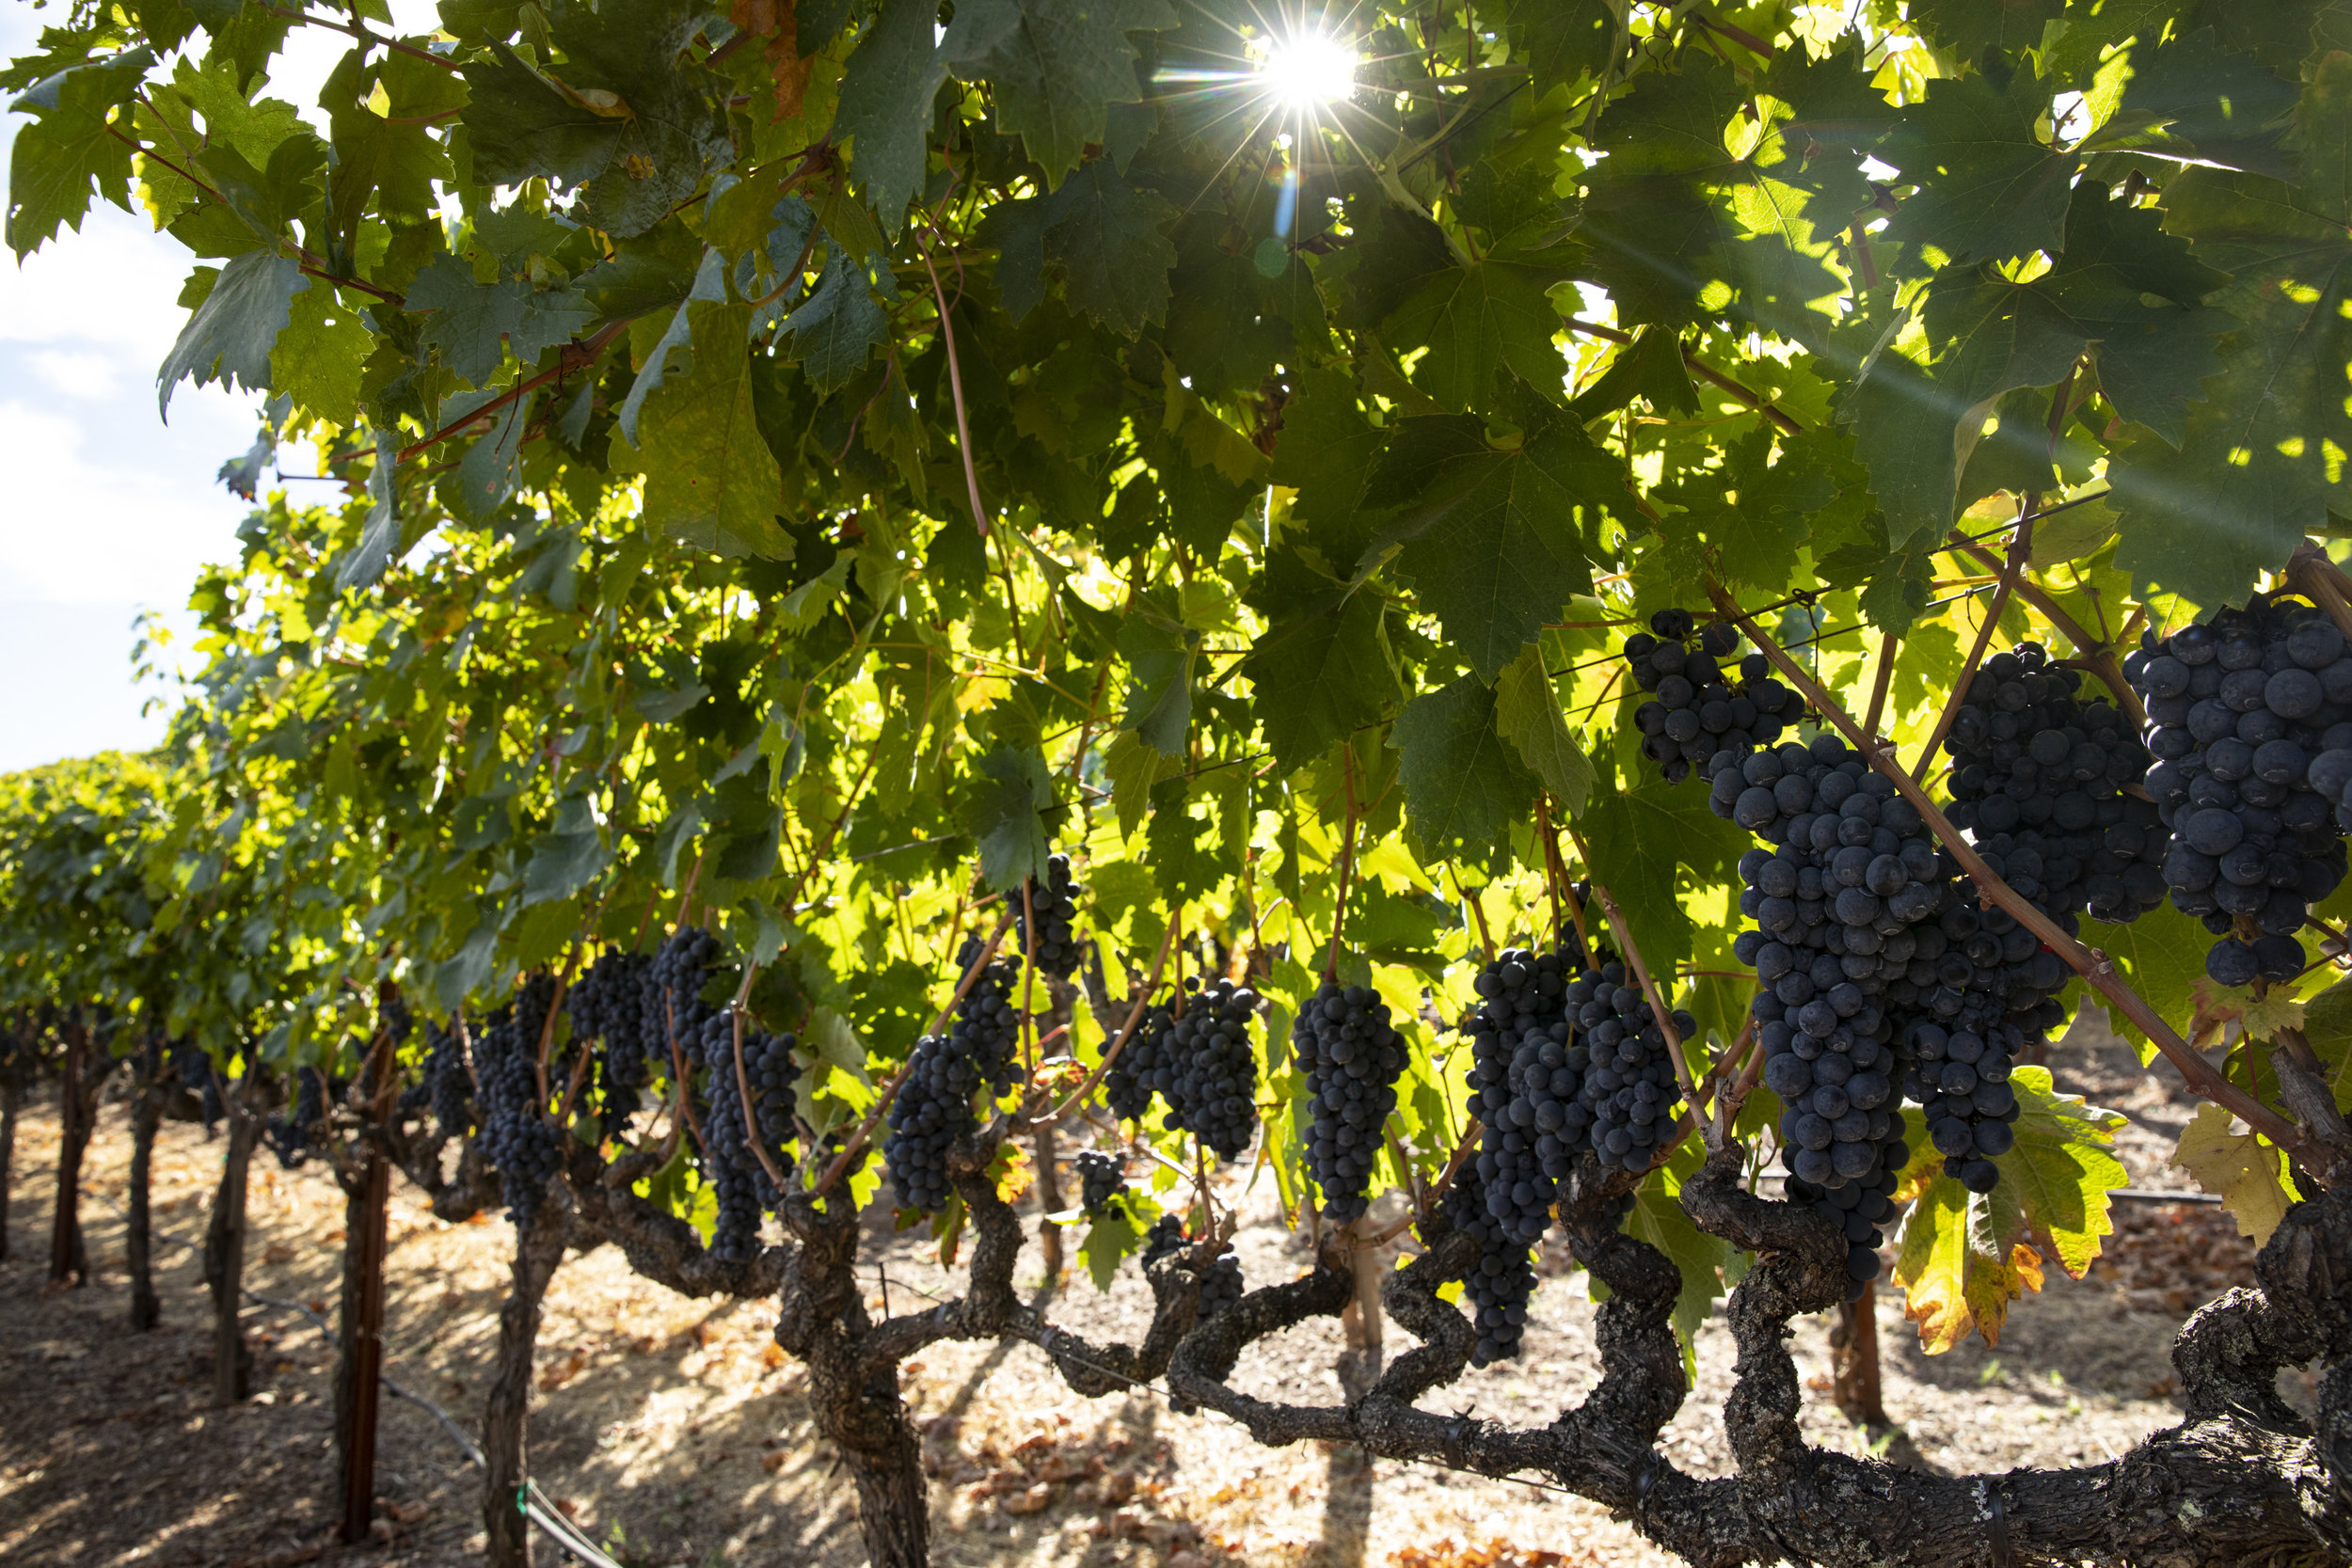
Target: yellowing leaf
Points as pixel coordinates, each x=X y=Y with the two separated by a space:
x=2268 y=1014
x=2054 y=1182
x=1955 y=1274
x=2249 y=1175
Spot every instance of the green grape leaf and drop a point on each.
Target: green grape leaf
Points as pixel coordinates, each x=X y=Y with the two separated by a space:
x=522 y=126
x=473 y=323
x=2191 y=98
x=1111 y=1239
x=1650 y=842
x=1565 y=40
x=2254 y=470
x=2327 y=1026
x=1160 y=659
x=230 y=335
x=568 y=856
x=1464 y=783
x=1110 y=239
x=836 y=329
x=1319 y=672
x=1191 y=855
x=1988 y=189
x=70 y=151
x=1003 y=808
x=319 y=357
x=1054 y=66
x=1969 y=27
x=1477 y=321
x=2162 y=957
x=885 y=109
x=1496 y=540
x=710 y=479
x=1134 y=767
x=1528 y=713
x=1658 y=1218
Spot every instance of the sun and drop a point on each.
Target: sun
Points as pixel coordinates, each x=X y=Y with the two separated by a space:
x=1309 y=69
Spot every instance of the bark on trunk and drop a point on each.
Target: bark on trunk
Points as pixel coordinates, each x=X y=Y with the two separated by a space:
x=359 y=1357
x=68 y=1258
x=1049 y=1201
x=893 y=1499
x=147 y=1114
x=538 y=1248
x=10 y=1098
x=224 y=1258
x=1855 y=1368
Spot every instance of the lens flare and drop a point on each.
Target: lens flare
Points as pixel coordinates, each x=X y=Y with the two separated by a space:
x=1309 y=69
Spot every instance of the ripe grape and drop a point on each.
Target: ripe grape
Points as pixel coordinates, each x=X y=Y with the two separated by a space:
x=1350 y=1056
x=934 y=1109
x=1055 y=903
x=1220 y=1285
x=1697 y=706
x=1202 y=1065
x=608 y=1004
x=289 y=1136
x=516 y=1138
x=728 y=1164
x=444 y=1084
x=1102 y=1178
x=2251 y=716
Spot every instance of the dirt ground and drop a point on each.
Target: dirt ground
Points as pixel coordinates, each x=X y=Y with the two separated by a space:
x=674 y=1433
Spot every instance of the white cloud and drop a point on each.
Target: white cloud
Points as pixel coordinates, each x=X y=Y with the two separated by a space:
x=85 y=526
x=74 y=373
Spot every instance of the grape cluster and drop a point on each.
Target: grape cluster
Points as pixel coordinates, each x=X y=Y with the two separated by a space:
x=1698 y=708
x=1845 y=903
x=1202 y=1065
x=198 y=1077
x=2037 y=782
x=289 y=1136
x=444 y=1084
x=672 y=1005
x=1055 y=903
x=1351 y=1056
x=2250 y=716
x=1101 y=1177
x=933 y=1108
x=733 y=1170
x=607 y=1005
x=1865 y=1209
x=1220 y=1285
x=516 y=1139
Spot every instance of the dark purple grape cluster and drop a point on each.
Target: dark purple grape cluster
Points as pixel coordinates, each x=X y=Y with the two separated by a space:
x=1864 y=1210
x=1844 y=901
x=197 y=1077
x=2250 y=716
x=734 y=1171
x=1202 y=1065
x=608 y=1005
x=443 y=1084
x=1102 y=1178
x=1699 y=706
x=516 y=1138
x=289 y=1136
x=1220 y=1287
x=2038 y=782
x=1351 y=1056
x=933 y=1108
x=674 y=1012
x=1055 y=902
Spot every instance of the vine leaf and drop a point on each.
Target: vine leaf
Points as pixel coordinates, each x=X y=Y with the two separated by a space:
x=70 y=152
x=1133 y=768
x=568 y=856
x=1528 y=711
x=710 y=479
x=1055 y=66
x=1649 y=845
x=1464 y=783
x=1319 y=671
x=234 y=326
x=2249 y=1175
x=2162 y=956
x=1003 y=811
x=1956 y=1275
x=2327 y=1026
x=1111 y=1239
x=2056 y=1178
x=1986 y=188
x=1497 y=541
x=1658 y=1218
x=1108 y=238
x=473 y=323
x=885 y=108
x=2255 y=469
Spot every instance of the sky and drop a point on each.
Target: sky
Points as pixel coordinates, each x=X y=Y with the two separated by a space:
x=109 y=511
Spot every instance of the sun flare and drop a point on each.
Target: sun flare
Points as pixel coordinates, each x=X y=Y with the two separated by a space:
x=1309 y=69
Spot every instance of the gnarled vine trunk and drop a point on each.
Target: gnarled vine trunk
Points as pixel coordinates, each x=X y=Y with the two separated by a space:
x=11 y=1100
x=538 y=1250
x=359 y=1339
x=224 y=1254
x=69 y=1259
x=139 y=1246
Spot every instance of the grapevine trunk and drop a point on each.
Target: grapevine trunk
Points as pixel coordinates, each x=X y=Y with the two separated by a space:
x=224 y=1257
x=538 y=1248
x=360 y=1351
x=147 y=1114
x=68 y=1258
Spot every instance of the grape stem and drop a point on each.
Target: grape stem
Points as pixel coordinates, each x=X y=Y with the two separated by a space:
x=2020 y=545
x=743 y=1087
x=1485 y=938
x=2323 y=583
x=1347 y=862
x=2096 y=651
x=685 y=1084
x=1879 y=683
x=2094 y=966
x=1119 y=1041
x=546 y=1029
x=1650 y=988
x=897 y=1079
